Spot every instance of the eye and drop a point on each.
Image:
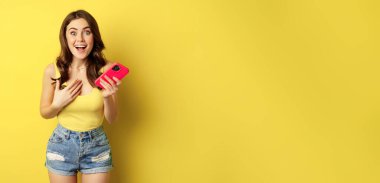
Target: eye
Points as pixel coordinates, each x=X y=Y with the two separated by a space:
x=88 y=32
x=73 y=33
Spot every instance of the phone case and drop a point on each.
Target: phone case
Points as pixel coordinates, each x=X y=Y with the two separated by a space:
x=116 y=70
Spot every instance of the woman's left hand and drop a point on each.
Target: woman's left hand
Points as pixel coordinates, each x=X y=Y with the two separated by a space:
x=111 y=87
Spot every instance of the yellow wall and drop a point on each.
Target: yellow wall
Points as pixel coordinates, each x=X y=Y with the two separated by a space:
x=248 y=91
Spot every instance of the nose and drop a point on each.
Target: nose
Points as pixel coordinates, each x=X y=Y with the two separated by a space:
x=80 y=37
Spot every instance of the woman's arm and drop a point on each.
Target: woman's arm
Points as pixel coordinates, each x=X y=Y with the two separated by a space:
x=46 y=109
x=110 y=98
x=110 y=108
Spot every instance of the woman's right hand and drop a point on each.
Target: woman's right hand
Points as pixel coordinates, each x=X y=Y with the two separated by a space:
x=66 y=95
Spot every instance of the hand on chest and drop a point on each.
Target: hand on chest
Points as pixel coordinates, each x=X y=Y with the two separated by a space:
x=81 y=75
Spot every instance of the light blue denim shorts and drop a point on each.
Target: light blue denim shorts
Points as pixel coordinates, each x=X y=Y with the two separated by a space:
x=70 y=151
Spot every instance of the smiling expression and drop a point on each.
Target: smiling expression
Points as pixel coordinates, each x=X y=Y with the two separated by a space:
x=79 y=38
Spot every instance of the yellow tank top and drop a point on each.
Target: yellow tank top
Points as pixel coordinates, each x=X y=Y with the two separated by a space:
x=84 y=113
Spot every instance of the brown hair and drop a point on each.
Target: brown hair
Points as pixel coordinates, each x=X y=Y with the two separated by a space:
x=96 y=59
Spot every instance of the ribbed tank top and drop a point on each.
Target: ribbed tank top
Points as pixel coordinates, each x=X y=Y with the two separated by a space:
x=84 y=113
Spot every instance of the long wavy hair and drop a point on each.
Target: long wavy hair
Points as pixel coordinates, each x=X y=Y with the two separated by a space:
x=95 y=60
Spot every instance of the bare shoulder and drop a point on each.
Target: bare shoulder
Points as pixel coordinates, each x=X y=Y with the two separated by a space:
x=50 y=70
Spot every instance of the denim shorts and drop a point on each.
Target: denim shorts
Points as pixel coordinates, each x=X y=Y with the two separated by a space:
x=70 y=151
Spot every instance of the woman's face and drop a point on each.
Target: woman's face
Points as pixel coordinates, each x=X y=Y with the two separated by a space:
x=79 y=38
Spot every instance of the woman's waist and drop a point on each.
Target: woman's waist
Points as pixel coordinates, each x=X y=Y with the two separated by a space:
x=80 y=124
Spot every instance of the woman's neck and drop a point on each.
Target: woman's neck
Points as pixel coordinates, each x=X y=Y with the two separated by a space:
x=78 y=63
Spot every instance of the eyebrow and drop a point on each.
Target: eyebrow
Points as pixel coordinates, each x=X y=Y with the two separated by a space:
x=77 y=29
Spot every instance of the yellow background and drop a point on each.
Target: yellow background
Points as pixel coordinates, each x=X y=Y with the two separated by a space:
x=264 y=91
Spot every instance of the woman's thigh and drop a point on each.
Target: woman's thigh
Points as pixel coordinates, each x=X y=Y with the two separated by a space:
x=55 y=178
x=96 y=178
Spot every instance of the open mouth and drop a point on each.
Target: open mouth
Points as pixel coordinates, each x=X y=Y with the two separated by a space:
x=80 y=47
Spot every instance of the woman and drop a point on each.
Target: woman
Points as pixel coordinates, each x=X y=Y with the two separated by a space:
x=78 y=143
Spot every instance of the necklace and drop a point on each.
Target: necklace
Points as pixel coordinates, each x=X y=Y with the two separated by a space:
x=80 y=69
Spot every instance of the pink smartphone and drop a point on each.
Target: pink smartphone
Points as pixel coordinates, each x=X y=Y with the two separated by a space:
x=116 y=70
